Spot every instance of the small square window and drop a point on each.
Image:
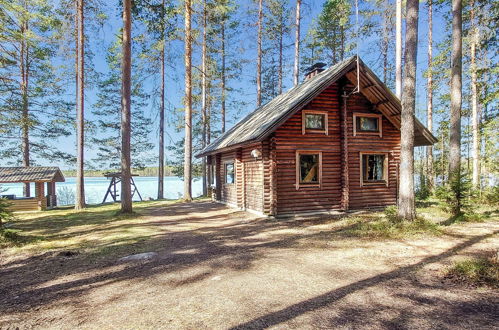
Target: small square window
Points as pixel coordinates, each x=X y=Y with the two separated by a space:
x=373 y=168
x=229 y=173
x=314 y=122
x=367 y=124
x=309 y=168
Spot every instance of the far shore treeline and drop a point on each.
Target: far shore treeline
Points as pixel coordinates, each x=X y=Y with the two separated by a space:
x=146 y=171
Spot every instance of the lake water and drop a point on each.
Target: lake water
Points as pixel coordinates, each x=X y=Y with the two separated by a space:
x=96 y=187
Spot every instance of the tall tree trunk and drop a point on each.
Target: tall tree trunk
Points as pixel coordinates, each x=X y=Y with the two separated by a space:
x=474 y=100
x=126 y=69
x=25 y=122
x=203 y=100
x=80 y=184
x=406 y=209
x=279 y=70
x=161 y=156
x=384 y=46
x=188 y=105
x=296 y=70
x=429 y=98
x=456 y=102
x=342 y=42
x=224 y=94
x=398 y=49
x=259 y=55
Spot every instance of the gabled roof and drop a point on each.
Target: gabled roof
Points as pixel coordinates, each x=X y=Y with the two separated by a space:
x=30 y=174
x=260 y=123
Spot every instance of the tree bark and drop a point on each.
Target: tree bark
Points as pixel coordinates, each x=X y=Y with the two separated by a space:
x=474 y=100
x=429 y=98
x=161 y=156
x=80 y=184
x=223 y=77
x=259 y=55
x=280 y=69
x=126 y=69
x=406 y=209
x=456 y=102
x=25 y=122
x=296 y=70
x=188 y=105
x=398 y=49
x=203 y=100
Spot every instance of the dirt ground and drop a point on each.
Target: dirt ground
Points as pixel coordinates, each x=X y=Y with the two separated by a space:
x=220 y=268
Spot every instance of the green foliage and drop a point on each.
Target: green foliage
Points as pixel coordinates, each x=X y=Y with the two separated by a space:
x=423 y=190
x=490 y=196
x=391 y=226
x=5 y=213
x=459 y=199
x=479 y=271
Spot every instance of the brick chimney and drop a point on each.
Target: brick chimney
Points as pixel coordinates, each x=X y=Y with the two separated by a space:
x=314 y=70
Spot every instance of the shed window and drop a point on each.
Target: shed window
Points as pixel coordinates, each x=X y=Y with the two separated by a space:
x=314 y=122
x=309 y=168
x=229 y=173
x=373 y=168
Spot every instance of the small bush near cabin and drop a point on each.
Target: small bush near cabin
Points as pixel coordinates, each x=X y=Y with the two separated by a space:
x=478 y=271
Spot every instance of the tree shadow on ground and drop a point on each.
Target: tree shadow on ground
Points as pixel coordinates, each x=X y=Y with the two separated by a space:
x=217 y=242
x=334 y=296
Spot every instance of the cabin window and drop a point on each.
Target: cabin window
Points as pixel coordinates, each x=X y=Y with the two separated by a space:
x=367 y=123
x=229 y=173
x=308 y=169
x=314 y=122
x=374 y=168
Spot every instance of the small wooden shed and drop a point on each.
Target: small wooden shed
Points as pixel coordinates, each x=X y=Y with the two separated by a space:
x=40 y=176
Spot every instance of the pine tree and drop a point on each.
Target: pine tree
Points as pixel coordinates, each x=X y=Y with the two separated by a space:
x=80 y=84
x=429 y=98
x=188 y=104
x=455 y=101
x=406 y=208
x=31 y=121
x=296 y=67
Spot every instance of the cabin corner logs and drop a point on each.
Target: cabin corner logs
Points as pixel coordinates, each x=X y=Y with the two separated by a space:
x=268 y=184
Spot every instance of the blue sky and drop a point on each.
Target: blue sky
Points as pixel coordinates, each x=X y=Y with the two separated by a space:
x=175 y=76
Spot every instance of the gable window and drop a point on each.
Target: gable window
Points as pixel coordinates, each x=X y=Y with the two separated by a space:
x=367 y=123
x=314 y=122
x=374 y=168
x=229 y=173
x=308 y=168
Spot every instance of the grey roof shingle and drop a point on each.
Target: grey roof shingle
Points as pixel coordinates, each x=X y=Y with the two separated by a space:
x=30 y=174
x=258 y=124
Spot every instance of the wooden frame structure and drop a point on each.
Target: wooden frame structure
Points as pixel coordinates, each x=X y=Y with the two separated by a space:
x=270 y=184
x=112 y=189
x=38 y=175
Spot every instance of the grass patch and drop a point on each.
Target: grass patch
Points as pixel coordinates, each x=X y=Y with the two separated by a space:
x=477 y=271
x=13 y=238
x=383 y=227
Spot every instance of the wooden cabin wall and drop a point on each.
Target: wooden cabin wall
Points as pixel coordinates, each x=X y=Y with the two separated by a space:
x=247 y=190
x=289 y=139
x=378 y=194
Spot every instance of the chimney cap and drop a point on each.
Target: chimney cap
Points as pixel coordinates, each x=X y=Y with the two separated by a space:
x=316 y=66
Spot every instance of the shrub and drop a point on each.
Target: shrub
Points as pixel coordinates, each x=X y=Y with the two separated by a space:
x=5 y=213
x=480 y=271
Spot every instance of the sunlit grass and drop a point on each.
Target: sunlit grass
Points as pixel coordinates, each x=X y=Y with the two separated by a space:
x=479 y=271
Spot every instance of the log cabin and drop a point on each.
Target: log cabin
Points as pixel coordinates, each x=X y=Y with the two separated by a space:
x=329 y=144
